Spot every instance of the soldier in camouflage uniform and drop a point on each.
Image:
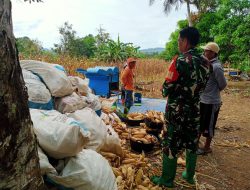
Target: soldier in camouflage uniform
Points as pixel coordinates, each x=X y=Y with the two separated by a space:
x=186 y=78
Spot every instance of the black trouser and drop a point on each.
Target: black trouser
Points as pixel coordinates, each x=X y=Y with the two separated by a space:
x=209 y=115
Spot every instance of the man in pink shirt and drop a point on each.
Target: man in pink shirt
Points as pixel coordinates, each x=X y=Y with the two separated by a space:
x=128 y=83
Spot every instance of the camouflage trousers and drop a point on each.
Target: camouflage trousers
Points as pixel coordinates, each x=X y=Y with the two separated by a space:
x=182 y=133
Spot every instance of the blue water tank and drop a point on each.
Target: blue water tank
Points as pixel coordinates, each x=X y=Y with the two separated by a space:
x=99 y=83
x=102 y=79
x=112 y=71
x=103 y=70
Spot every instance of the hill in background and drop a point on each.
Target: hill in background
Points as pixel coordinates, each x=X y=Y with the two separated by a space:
x=152 y=50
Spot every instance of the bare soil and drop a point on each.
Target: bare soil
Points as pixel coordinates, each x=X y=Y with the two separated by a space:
x=229 y=162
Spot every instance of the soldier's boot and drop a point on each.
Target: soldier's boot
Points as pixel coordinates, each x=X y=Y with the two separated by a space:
x=188 y=174
x=168 y=172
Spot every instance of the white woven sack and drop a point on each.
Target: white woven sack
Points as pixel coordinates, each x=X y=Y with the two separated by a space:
x=88 y=118
x=82 y=85
x=37 y=91
x=70 y=103
x=94 y=102
x=112 y=142
x=87 y=170
x=58 y=135
x=56 y=80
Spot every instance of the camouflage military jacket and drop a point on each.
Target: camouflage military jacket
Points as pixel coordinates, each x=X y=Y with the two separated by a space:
x=186 y=79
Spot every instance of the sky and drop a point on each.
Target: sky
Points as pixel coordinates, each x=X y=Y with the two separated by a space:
x=133 y=20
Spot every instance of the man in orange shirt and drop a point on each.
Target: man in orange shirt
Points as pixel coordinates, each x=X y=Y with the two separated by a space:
x=128 y=83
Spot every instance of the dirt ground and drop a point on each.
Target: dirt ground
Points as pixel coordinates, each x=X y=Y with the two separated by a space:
x=228 y=166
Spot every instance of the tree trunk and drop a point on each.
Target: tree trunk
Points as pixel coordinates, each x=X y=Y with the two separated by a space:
x=19 y=163
x=190 y=23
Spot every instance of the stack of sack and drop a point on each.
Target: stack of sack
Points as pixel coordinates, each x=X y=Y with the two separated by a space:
x=65 y=141
x=69 y=131
x=45 y=80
